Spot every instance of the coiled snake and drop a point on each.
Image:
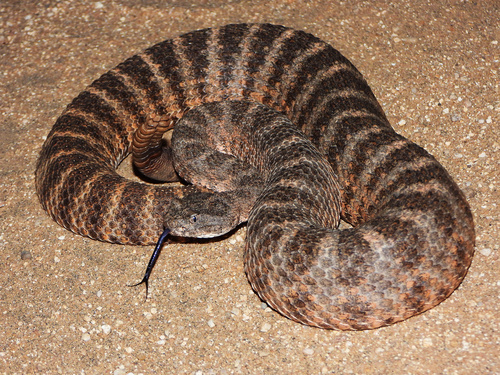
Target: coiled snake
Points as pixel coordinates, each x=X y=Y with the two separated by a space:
x=412 y=239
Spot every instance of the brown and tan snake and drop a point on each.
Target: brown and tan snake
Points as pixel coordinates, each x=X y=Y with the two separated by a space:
x=412 y=239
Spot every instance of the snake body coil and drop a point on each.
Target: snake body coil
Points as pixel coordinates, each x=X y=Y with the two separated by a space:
x=412 y=239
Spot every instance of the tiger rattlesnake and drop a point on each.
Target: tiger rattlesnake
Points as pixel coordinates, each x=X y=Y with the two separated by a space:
x=412 y=239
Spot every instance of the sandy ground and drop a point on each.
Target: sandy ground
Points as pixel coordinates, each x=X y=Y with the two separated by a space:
x=64 y=302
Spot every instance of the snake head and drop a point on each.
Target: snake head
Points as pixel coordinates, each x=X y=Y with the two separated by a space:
x=201 y=215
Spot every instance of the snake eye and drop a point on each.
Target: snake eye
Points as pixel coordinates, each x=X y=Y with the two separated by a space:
x=193 y=218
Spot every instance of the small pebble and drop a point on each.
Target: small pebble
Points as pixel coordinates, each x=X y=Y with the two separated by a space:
x=106 y=329
x=265 y=327
x=86 y=337
x=236 y=311
x=486 y=251
x=211 y=323
x=308 y=351
x=427 y=342
x=26 y=254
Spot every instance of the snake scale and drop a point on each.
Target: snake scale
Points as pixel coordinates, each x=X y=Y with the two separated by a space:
x=412 y=236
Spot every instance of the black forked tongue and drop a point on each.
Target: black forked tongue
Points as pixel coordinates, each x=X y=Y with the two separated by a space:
x=152 y=260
